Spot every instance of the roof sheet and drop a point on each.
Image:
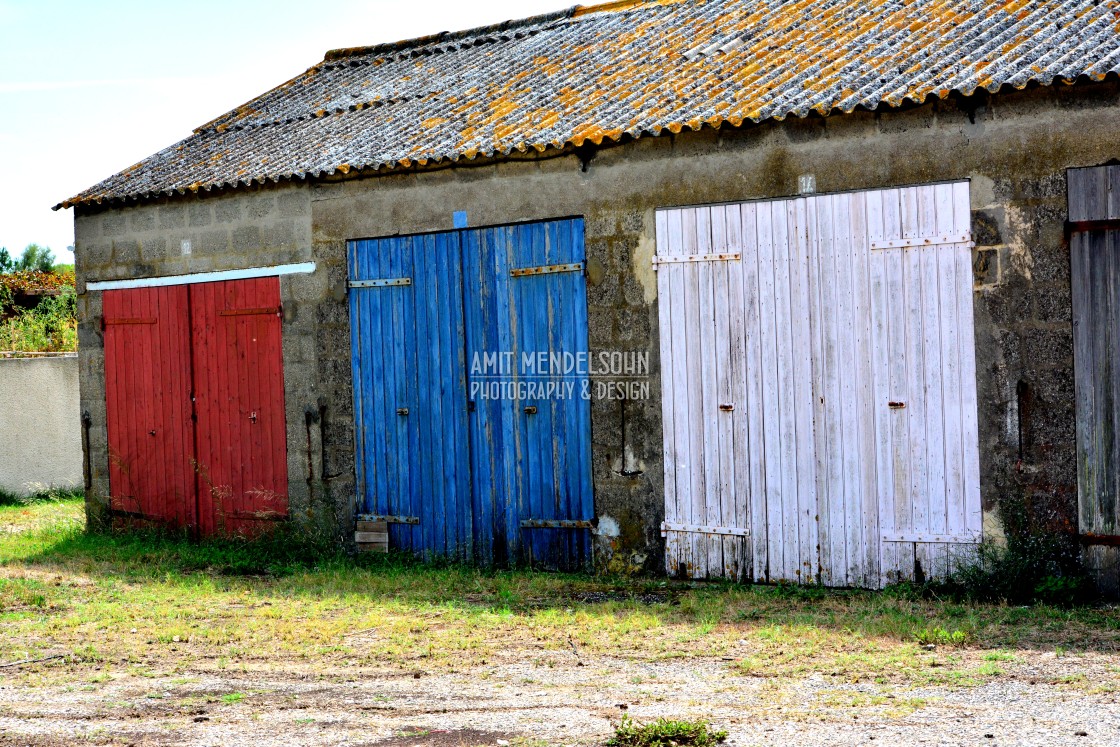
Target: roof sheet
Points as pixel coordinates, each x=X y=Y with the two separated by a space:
x=635 y=67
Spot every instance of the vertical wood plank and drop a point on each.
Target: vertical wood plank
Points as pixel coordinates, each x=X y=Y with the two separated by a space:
x=808 y=557
x=881 y=331
x=933 y=495
x=848 y=404
x=695 y=381
x=826 y=439
x=867 y=512
x=738 y=316
x=665 y=313
x=828 y=425
x=755 y=373
x=966 y=342
x=769 y=243
x=950 y=373
x=708 y=413
x=681 y=417
x=724 y=362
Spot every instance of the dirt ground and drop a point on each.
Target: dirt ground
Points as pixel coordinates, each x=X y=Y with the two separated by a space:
x=149 y=641
x=524 y=698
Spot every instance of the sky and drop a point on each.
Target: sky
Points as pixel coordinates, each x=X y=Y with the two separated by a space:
x=90 y=88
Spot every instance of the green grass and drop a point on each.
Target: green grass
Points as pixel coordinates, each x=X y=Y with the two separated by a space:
x=160 y=604
x=39 y=495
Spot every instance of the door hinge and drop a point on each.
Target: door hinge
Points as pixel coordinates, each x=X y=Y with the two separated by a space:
x=379 y=283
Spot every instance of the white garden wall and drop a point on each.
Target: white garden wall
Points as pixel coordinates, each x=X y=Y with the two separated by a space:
x=40 y=424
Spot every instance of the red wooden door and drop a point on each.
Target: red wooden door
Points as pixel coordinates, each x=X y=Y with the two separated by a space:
x=239 y=401
x=148 y=406
x=217 y=463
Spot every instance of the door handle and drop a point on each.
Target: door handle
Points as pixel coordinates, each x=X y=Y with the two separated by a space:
x=402 y=410
x=896 y=405
x=531 y=410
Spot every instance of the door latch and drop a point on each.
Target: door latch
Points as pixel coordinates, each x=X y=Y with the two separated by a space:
x=531 y=410
x=402 y=410
x=896 y=405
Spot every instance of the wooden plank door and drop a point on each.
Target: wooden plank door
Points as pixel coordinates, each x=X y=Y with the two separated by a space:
x=549 y=321
x=925 y=406
x=407 y=338
x=530 y=454
x=241 y=433
x=709 y=412
x=1094 y=213
x=843 y=394
x=148 y=405
x=788 y=327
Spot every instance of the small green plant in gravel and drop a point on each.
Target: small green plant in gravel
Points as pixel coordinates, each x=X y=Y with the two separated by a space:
x=665 y=733
x=941 y=637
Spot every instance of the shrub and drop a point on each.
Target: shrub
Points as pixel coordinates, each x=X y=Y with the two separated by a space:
x=1029 y=570
x=50 y=327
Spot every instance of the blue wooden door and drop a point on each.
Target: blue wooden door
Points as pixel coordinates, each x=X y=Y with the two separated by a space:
x=462 y=459
x=410 y=399
x=526 y=307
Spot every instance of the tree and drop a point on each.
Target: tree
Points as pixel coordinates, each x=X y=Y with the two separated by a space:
x=6 y=263
x=35 y=259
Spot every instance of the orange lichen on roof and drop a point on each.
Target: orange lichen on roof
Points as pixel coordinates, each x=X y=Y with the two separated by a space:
x=632 y=67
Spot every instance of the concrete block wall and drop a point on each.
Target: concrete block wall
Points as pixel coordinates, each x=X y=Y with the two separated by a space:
x=40 y=427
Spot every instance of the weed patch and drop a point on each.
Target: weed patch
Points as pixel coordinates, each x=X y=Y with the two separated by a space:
x=941 y=637
x=665 y=733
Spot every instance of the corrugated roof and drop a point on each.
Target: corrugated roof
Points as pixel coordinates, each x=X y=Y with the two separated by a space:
x=635 y=67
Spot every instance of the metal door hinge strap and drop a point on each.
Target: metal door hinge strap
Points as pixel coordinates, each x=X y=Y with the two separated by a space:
x=255 y=515
x=546 y=269
x=380 y=283
x=389 y=519
x=106 y=322
x=1105 y=540
x=670 y=526
x=939 y=538
x=922 y=241
x=136 y=515
x=726 y=257
x=249 y=312
x=556 y=524
x=1081 y=226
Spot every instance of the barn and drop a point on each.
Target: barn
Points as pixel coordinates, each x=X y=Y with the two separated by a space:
x=818 y=292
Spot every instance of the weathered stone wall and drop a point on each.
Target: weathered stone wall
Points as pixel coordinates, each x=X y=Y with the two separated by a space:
x=1014 y=148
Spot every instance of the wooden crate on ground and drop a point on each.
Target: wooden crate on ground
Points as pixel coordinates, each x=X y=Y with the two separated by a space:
x=372 y=536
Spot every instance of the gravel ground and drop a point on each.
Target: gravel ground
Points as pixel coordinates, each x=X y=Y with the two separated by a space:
x=1040 y=699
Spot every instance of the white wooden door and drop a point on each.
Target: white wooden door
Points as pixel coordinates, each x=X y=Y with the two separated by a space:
x=707 y=492
x=925 y=379
x=783 y=455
